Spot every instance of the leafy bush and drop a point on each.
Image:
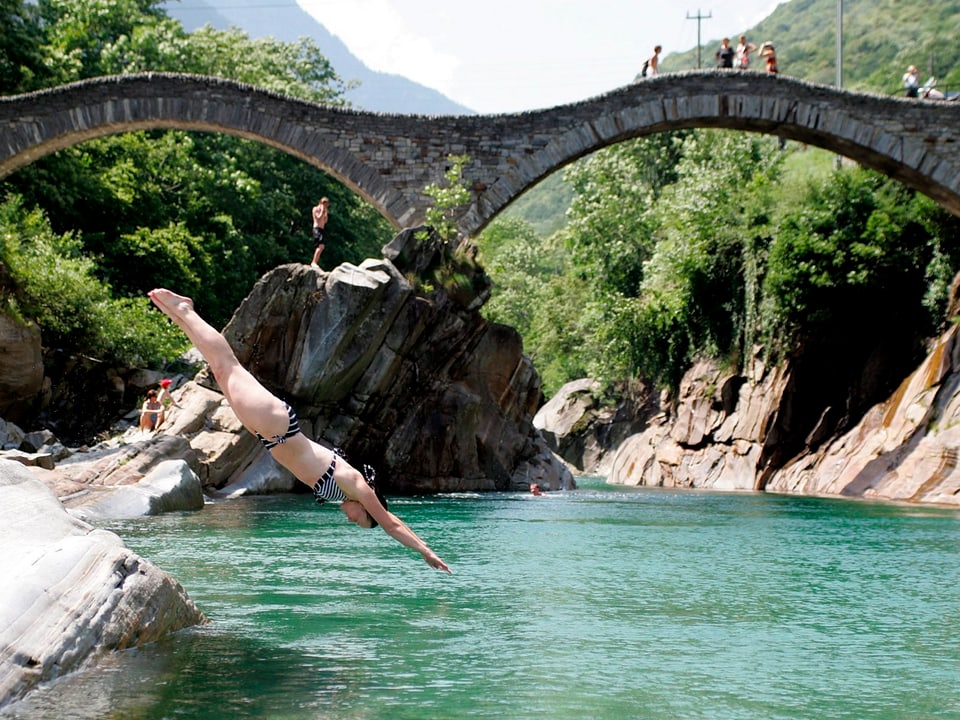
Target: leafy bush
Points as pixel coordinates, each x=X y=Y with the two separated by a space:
x=49 y=281
x=854 y=257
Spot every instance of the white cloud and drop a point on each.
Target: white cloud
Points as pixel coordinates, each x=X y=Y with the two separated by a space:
x=374 y=31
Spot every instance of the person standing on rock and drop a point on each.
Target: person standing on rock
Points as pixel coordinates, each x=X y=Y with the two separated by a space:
x=321 y=214
x=275 y=424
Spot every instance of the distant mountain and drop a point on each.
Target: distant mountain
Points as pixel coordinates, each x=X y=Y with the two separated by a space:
x=378 y=92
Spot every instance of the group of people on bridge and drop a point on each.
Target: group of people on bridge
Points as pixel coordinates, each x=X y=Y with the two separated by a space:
x=727 y=57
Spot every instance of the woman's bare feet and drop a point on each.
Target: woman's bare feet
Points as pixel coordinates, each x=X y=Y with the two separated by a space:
x=173 y=305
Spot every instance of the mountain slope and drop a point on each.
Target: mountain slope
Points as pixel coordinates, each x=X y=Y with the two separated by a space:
x=880 y=39
x=377 y=91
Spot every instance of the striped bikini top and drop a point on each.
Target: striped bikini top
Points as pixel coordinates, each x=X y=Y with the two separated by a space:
x=326 y=487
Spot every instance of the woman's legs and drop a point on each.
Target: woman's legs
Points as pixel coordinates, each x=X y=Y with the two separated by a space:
x=257 y=408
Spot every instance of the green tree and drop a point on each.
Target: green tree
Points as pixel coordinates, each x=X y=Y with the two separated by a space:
x=852 y=261
x=700 y=284
x=21 y=61
x=50 y=282
x=212 y=212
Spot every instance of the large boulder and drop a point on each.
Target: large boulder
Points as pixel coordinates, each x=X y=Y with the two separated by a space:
x=171 y=486
x=415 y=383
x=585 y=428
x=71 y=592
x=121 y=461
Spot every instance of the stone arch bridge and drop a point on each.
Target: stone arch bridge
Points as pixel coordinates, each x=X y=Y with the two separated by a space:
x=389 y=159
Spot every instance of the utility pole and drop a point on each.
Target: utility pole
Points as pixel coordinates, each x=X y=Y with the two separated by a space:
x=839 y=43
x=838 y=160
x=698 y=17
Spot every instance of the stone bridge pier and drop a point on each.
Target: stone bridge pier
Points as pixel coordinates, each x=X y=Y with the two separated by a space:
x=389 y=159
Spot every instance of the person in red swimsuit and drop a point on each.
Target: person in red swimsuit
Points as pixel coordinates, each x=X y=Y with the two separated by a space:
x=770 y=55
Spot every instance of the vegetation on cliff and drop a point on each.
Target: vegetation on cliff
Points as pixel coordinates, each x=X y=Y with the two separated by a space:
x=710 y=243
x=706 y=243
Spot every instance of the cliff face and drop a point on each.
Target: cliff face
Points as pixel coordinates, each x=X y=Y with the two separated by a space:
x=725 y=434
x=903 y=449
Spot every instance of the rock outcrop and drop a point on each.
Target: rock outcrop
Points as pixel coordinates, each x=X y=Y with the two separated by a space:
x=720 y=433
x=904 y=449
x=724 y=433
x=71 y=592
x=586 y=429
x=413 y=382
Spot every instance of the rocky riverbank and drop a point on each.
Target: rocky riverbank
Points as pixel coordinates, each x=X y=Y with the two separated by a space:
x=71 y=592
x=723 y=432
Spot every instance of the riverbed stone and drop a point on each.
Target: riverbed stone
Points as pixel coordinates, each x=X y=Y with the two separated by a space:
x=171 y=486
x=71 y=592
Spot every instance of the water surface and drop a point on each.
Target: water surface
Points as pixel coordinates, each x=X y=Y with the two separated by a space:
x=598 y=603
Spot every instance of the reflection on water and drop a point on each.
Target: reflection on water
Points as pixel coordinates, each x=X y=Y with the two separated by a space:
x=598 y=603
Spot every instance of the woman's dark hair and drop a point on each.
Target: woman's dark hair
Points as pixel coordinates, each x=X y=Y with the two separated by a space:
x=383 y=501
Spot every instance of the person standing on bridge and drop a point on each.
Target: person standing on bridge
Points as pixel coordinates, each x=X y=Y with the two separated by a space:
x=911 y=82
x=321 y=214
x=725 y=54
x=653 y=64
x=276 y=426
x=744 y=49
x=770 y=55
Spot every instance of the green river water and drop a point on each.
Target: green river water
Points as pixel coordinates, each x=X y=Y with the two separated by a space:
x=600 y=603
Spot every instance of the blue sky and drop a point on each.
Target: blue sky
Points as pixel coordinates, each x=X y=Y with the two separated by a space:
x=514 y=55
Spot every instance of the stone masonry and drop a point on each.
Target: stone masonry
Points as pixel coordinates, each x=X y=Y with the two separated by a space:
x=389 y=159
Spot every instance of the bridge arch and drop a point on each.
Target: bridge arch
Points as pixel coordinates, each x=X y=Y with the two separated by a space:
x=389 y=159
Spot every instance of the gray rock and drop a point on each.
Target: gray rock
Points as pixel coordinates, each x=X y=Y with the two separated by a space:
x=171 y=486
x=71 y=592
x=11 y=436
x=417 y=384
x=31 y=459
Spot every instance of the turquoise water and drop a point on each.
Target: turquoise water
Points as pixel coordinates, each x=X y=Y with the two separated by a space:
x=598 y=603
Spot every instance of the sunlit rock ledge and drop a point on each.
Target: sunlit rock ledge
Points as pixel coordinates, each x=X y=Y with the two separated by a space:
x=71 y=592
x=723 y=432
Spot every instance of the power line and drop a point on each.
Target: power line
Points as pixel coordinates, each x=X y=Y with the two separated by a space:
x=698 y=17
